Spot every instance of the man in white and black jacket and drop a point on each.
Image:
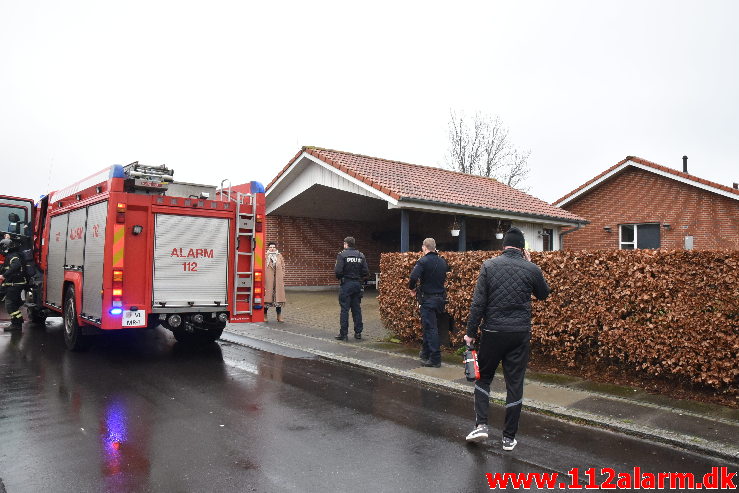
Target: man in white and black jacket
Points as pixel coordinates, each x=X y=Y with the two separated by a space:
x=502 y=300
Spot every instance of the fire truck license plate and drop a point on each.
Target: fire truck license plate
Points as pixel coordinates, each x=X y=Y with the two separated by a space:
x=134 y=318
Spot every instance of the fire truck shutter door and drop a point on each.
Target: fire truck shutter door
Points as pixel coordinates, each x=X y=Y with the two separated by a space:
x=190 y=261
x=57 y=252
x=92 y=300
x=76 y=239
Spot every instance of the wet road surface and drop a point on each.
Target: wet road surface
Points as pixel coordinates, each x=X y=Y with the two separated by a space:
x=140 y=412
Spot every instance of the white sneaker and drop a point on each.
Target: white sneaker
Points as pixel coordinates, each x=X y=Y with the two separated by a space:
x=509 y=443
x=479 y=434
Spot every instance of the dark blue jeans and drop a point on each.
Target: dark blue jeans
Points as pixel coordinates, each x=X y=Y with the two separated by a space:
x=431 y=306
x=350 y=297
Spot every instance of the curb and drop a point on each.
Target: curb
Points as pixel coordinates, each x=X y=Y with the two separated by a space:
x=678 y=440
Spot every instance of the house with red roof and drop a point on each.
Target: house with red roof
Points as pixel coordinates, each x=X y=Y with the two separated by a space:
x=322 y=195
x=640 y=204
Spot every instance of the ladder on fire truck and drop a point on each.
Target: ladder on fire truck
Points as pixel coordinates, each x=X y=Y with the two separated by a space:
x=243 y=295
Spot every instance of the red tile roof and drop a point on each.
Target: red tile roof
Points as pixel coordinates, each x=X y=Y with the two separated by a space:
x=403 y=181
x=654 y=166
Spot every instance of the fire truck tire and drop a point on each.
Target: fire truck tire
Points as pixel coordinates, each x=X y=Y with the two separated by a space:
x=199 y=337
x=37 y=316
x=153 y=322
x=73 y=337
x=214 y=333
x=183 y=337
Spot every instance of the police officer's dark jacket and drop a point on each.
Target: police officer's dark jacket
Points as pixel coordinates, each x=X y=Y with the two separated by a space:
x=503 y=294
x=431 y=271
x=13 y=269
x=351 y=264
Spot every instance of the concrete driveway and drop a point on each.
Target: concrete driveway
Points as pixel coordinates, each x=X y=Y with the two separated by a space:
x=320 y=310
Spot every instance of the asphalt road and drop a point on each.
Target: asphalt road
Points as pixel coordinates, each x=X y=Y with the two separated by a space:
x=140 y=412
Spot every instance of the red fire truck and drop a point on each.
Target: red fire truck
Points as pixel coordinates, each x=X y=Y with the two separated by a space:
x=129 y=247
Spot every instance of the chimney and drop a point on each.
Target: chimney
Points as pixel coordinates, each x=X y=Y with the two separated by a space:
x=685 y=164
x=736 y=186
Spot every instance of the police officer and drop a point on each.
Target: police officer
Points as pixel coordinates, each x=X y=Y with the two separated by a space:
x=351 y=271
x=13 y=280
x=431 y=270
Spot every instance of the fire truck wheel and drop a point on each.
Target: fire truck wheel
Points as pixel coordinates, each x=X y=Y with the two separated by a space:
x=38 y=317
x=199 y=337
x=153 y=322
x=183 y=337
x=214 y=333
x=73 y=337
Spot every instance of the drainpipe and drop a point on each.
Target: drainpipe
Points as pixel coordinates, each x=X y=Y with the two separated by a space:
x=577 y=226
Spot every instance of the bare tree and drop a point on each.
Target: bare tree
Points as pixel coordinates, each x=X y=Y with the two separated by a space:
x=482 y=147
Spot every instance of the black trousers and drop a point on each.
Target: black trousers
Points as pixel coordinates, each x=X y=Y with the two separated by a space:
x=511 y=348
x=350 y=298
x=431 y=307
x=13 y=303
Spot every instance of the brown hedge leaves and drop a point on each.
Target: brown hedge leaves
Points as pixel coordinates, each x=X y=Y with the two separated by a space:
x=664 y=313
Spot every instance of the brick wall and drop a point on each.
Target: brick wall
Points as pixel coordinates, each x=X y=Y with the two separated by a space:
x=637 y=196
x=310 y=246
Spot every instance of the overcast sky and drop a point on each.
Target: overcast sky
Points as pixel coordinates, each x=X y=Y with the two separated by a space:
x=232 y=89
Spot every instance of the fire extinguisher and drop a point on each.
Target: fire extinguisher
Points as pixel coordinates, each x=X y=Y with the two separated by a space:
x=471 y=368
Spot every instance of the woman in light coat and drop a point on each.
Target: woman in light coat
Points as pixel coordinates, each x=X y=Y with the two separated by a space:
x=274 y=281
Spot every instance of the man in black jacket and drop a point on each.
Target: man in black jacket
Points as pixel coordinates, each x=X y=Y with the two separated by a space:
x=503 y=300
x=13 y=280
x=351 y=270
x=431 y=271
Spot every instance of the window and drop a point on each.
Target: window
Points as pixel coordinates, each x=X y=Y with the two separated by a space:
x=9 y=208
x=633 y=236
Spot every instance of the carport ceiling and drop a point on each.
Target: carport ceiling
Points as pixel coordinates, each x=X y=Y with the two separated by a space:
x=323 y=202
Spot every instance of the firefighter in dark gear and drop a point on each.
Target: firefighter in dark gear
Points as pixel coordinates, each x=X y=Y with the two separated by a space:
x=13 y=280
x=351 y=270
x=502 y=304
x=431 y=271
x=2 y=288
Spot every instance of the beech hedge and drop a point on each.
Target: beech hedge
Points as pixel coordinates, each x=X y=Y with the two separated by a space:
x=672 y=314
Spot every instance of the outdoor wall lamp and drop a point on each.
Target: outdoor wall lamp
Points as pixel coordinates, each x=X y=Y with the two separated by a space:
x=607 y=229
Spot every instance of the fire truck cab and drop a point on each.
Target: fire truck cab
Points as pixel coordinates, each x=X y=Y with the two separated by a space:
x=130 y=248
